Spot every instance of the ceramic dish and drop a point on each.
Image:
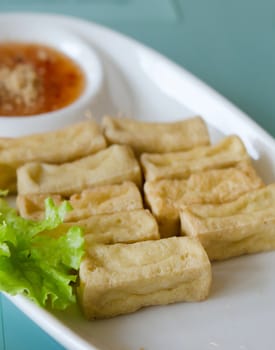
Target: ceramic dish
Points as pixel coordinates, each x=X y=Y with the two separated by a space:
x=67 y=42
x=239 y=313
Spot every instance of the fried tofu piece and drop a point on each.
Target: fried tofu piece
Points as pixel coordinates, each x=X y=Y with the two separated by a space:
x=156 y=137
x=243 y=226
x=121 y=227
x=167 y=197
x=55 y=147
x=180 y=165
x=122 y=278
x=93 y=201
x=113 y=165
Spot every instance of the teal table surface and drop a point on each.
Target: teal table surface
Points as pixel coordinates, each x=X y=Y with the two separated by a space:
x=228 y=44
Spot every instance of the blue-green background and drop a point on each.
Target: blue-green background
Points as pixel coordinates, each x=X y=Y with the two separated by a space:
x=228 y=44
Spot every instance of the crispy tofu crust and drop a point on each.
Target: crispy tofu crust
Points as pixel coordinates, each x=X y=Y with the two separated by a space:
x=121 y=227
x=113 y=165
x=156 y=137
x=243 y=226
x=180 y=165
x=55 y=147
x=166 y=197
x=94 y=201
x=122 y=278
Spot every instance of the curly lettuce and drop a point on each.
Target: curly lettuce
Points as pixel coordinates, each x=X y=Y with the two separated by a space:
x=33 y=263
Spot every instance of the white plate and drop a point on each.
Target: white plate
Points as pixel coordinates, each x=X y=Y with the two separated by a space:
x=239 y=313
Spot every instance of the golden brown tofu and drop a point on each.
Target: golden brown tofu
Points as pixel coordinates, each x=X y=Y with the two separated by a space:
x=180 y=165
x=166 y=197
x=122 y=278
x=55 y=147
x=243 y=226
x=121 y=227
x=156 y=137
x=93 y=201
x=113 y=165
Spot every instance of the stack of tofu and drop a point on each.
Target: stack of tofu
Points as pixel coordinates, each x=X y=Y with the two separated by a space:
x=156 y=202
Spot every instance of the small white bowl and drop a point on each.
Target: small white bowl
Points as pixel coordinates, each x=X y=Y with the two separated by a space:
x=74 y=47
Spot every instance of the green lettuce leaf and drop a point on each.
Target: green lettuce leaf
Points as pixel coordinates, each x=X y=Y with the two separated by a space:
x=35 y=264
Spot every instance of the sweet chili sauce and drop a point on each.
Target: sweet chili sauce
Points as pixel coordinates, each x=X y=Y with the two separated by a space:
x=54 y=79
